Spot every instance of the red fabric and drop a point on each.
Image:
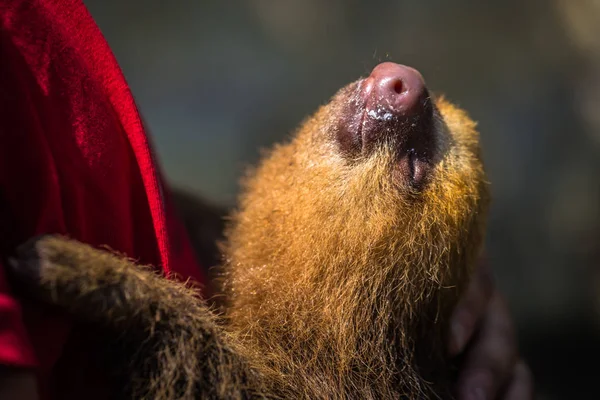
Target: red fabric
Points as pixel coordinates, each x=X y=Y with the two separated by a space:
x=74 y=159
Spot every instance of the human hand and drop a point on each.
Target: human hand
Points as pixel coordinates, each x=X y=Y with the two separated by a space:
x=482 y=331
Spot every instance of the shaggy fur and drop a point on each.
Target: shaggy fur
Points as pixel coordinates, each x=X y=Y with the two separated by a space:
x=338 y=278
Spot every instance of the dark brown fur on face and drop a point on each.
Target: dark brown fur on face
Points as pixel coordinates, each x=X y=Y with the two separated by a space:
x=340 y=270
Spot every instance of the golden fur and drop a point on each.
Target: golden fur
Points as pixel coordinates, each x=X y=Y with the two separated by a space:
x=336 y=273
x=338 y=278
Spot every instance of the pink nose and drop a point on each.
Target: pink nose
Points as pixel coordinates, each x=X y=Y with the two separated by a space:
x=397 y=110
x=394 y=90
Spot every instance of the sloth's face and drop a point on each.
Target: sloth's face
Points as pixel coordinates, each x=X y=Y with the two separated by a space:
x=384 y=176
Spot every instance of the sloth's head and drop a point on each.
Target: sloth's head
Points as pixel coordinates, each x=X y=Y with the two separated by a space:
x=373 y=212
x=386 y=178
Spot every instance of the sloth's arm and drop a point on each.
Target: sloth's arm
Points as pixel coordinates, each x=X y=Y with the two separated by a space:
x=169 y=340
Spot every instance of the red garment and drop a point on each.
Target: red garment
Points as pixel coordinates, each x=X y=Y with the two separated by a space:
x=74 y=160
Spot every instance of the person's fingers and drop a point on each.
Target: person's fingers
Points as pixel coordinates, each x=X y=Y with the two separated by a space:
x=520 y=386
x=490 y=360
x=470 y=309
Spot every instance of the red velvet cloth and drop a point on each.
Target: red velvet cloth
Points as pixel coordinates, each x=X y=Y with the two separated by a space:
x=74 y=159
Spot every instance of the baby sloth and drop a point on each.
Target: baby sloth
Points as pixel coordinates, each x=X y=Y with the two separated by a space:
x=347 y=254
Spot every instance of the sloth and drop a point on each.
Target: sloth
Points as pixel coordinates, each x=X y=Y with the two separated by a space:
x=349 y=248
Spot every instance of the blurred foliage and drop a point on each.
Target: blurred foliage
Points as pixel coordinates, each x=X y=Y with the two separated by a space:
x=218 y=80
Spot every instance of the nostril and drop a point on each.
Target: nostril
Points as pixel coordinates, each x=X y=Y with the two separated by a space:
x=398 y=86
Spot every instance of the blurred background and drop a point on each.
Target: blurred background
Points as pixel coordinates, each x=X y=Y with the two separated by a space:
x=219 y=80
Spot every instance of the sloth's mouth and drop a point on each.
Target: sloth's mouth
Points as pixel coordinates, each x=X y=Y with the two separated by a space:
x=418 y=168
x=368 y=125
